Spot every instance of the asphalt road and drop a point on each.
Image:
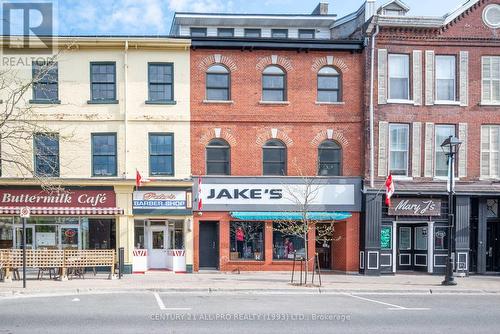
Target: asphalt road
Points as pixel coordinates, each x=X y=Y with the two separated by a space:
x=149 y=312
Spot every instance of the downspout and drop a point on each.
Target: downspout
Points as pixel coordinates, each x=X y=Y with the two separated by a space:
x=372 y=138
x=125 y=88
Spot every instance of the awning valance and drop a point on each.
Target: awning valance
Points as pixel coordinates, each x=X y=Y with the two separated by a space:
x=14 y=210
x=290 y=216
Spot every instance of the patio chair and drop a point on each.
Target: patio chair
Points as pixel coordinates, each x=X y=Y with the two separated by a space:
x=50 y=271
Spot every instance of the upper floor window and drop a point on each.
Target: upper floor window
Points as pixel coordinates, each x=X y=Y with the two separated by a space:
x=198 y=32
x=104 y=162
x=253 y=33
x=491 y=79
x=273 y=84
x=328 y=85
x=442 y=132
x=398 y=149
x=46 y=147
x=306 y=33
x=103 y=81
x=330 y=159
x=399 y=77
x=445 y=78
x=279 y=33
x=225 y=32
x=218 y=83
x=45 y=81
x=161 y=82
x=218 y=157
x=274 y=157
x=490 y=151
x=161 y=154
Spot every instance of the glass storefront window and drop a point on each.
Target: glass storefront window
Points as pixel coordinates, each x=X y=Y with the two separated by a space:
x=46 y=236
x=139 y=234
x=440 y=238
x=386 y=238
x=176 y=240
x=102 y=233
x=69 y=237
x=246 y=241
x=6 y=233
x=285 y=244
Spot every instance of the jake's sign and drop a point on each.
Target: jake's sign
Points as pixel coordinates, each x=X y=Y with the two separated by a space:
x=415 y=207
x=64 y=198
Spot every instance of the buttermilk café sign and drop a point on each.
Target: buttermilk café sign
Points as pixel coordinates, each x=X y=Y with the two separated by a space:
x=415 y=207
x=66 y=198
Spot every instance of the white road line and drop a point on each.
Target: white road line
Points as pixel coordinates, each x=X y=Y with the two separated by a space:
x=162 y=306
x=392 y=306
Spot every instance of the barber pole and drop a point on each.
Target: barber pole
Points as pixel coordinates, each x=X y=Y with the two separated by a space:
x=389 y=190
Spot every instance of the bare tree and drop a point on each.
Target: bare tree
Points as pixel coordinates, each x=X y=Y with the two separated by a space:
x=21 y=125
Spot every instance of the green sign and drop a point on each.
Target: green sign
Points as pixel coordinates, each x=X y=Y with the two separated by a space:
x=386 y=237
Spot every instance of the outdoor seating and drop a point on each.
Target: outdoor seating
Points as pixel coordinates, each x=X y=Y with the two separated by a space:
x=51 y=271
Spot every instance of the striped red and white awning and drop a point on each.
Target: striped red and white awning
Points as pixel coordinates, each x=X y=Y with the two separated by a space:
x=14 y=210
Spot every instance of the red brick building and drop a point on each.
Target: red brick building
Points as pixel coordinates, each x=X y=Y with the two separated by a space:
x=271 y=109
x=433 y=78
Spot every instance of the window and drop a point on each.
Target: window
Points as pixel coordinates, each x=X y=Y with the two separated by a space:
x=246 y=241
x=440 y=238
x=491 y=80
x=225 y=32
x=103 y=81
x=46 y=147
x=104 y=154
x=445 y=78
x=441 y=162
x=306 y=33
x=198 y=32
x=161 y=82
x=274 y=158
x=253 y=33
x=161 y=154
x=45 y=81
x=329 y=156
x=399 y=77
x=398 y=143
x=279 y=33
x=217 y=83
x=490 y=151
x=284 y=245
x=218 y=157
x=273 y=84
x=328 y=85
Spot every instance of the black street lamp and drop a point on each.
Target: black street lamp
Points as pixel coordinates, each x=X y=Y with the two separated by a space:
x=450 y=147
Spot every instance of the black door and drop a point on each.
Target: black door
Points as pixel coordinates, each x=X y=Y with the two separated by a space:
x=209 y=245
x=324 y=248
x=412 y=245
x=493 y=247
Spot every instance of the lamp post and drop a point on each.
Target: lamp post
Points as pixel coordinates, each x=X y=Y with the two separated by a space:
x=450 y=147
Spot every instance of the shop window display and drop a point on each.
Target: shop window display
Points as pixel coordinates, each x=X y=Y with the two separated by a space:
x=284 y=244
x=247 y=241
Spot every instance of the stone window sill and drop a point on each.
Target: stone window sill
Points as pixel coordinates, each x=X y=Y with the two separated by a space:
x=330 y=103
x=281 y=103
x=396 y=101
x=44 y=101
x=161 y=102
x=447 y=103
x=218 y=101
x=102 y=102
x=489 y=104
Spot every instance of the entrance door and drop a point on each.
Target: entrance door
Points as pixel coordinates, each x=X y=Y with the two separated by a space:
x=209 y=245
x=158 y=247
x=18 y=234
x=324 y=248
x=493 y=247
x=412 y=247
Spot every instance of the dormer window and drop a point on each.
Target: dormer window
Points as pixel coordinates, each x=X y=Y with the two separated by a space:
x=279 y=33
x=253 y=33
x=198 y=32
x=225 y=32
x=306 y=33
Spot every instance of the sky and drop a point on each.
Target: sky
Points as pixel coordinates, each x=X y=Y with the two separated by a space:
x=154 y=17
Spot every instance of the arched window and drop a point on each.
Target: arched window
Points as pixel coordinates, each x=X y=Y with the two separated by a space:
x=329 y=159
x=218 y=83
x=218 y=157
x=273 y=84
x=329 y=85
x=274 y=158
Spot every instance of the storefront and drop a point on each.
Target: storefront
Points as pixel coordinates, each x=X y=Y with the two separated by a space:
x=242 y=223
x=163 y=229
x=73 y=218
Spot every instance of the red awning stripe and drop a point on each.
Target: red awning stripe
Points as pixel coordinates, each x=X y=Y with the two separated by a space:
x=14 y=210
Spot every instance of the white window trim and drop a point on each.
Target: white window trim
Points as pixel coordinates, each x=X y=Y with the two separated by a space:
x=407 y=150
x=446 y=102
x=398 y=101
x=455 y=95
x=487 y=102
x=389 y=100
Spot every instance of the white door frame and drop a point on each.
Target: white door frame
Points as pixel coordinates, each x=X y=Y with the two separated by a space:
x=430 y=243
x=15 y=241
x=150 y=230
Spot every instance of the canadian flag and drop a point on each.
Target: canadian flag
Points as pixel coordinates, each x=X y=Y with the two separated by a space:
x=200 y=202
x=139 y=180
x=389 y=190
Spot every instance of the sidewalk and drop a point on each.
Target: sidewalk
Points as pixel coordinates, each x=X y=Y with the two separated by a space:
x=251 y=282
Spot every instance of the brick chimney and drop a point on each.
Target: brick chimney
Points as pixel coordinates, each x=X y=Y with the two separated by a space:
x=321 y=8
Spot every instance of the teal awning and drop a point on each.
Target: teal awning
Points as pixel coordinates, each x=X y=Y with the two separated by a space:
x=244 y=215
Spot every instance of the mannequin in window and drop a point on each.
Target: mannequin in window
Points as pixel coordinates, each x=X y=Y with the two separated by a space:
x=288 y=247
x=240 y=237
